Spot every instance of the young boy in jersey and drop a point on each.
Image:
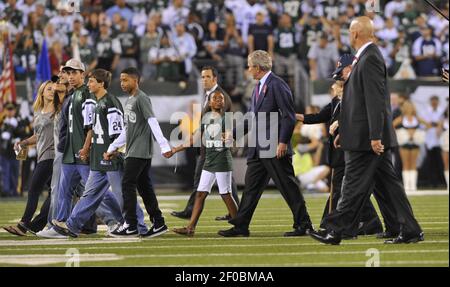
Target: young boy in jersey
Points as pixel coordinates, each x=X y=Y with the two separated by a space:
x=75 y=164
x=218 y=162
x=141 y=127
x=107 y=125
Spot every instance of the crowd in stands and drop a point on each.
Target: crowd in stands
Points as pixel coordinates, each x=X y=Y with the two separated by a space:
x=166 y=39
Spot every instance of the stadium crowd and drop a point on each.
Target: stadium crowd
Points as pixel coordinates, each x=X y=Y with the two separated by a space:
x=166 y=39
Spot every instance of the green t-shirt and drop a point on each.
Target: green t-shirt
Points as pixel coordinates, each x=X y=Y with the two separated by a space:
x=218 y=157
x=107 y=126
x=81 y=111
x=138 y=109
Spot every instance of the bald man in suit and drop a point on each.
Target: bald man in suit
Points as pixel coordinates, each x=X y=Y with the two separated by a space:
x=366 y=136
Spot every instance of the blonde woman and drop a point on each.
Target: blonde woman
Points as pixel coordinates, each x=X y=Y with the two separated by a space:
x=410 y=137
x=44 y=111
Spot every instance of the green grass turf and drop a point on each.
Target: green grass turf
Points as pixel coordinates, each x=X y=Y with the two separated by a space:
x=265 y=247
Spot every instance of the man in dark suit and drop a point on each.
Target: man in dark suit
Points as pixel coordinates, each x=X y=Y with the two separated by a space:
x=366 y=136
x=369 y=222
x=273 y=114
x=210 y=85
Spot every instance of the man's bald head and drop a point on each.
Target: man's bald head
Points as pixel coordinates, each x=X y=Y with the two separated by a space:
x=362 y=31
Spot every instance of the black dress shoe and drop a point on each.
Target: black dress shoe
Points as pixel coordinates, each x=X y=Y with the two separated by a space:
x=406 y=239
x=181 y=214
x=223 y=218
x=327 y=238
x=234 y=232
x=386 y=235
x=299 y=232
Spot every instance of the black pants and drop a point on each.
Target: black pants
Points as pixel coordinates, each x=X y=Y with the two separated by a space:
x=431 y=173
x=362 y=171
x=137 y=176
x=42 y=176
x=369 y=221
x=398 y=165
x=259 y=172
x=197 y=175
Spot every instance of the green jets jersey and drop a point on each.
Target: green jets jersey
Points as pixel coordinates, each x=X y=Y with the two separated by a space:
x=80 y=120
x=285 y=41
x=138 y=109
x=107 y=126
x=218 y=156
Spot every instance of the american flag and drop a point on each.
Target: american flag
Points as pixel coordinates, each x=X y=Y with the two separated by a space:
x=7 y=83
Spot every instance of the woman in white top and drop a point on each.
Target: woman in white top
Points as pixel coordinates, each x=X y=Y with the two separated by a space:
x=410 y=137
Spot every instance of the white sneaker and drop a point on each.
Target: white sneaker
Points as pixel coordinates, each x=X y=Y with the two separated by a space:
x=51 y=233
x=111 y=228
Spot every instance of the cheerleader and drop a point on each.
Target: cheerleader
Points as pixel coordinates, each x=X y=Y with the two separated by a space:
x=410 y=137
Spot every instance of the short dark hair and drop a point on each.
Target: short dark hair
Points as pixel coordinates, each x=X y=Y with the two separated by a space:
x=101 y=76
x=211 y=68
x=132 y=71
x=434 y=98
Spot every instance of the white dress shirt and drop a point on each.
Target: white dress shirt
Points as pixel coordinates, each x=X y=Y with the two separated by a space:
x=360 y=51
x=208 y=93
x=263 y=81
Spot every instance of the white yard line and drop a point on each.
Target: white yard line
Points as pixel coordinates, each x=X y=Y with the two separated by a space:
x=244 y=254
x=51 y=242
x=47 y=242
x=253 y=228
x=45 y=259
x=307 y=264
x=191 y=246
x=307 y=195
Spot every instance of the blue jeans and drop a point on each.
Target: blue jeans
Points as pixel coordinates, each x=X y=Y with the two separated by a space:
x=76 y=187
x=96 y=192
x=57 y=162
x=98 y=195
x=71 y=176
x=10 y=175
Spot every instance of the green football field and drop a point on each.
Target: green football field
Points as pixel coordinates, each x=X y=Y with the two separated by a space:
x=265 y=247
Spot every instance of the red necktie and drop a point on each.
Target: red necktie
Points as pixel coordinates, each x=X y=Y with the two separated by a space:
x=257 y=92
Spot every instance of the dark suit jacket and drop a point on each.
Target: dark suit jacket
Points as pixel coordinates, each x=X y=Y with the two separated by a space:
x=328 y=115
x=366 y=109
x=275 y=97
